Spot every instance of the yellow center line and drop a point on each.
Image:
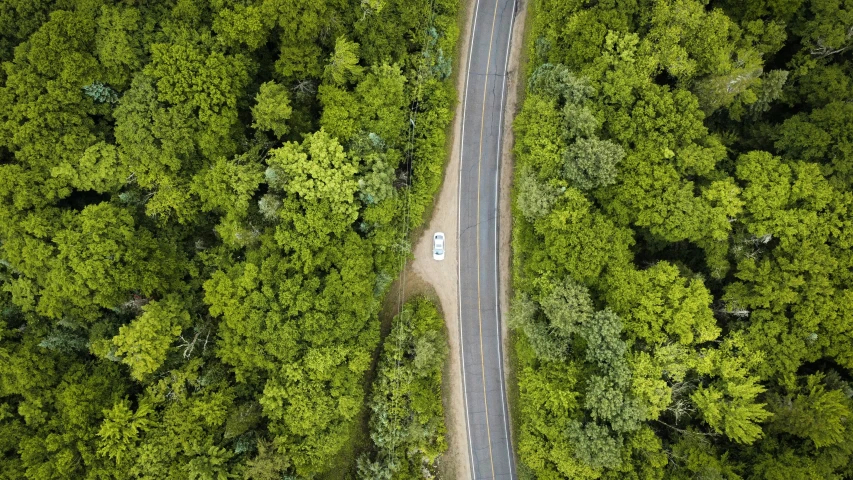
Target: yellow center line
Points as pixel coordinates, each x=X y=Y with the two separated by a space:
x=479 y=310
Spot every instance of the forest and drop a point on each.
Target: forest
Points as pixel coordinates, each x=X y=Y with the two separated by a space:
x=202 y=206
x=683 y=240
x=407 y=413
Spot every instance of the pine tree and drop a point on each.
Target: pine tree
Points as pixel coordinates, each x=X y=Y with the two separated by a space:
x=814 y=412
x=101 y=93
x=343 y=62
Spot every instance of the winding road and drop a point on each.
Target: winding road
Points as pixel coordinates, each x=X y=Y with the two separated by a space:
x=486 y=408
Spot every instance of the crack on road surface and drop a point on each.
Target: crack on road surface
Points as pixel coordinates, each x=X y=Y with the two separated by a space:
x=475 y=225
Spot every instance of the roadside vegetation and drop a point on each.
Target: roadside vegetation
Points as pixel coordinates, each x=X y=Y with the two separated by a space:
x=682 y=241
x=202 y=206
x=407 y=416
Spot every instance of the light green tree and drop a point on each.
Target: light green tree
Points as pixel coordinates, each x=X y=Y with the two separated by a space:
x=118 y=43
x=729 y=403
x=343 y=66
x=319 y=186
x=144 y=343
x=822 y=136
x=101 y=257
x=734 y=411
x=121 y=429
x=97 y=169
x=658 y=304
x=244 y=24
x=591 y=163
x=272 y=109
x=580 y=240
x=268 y=464
x=534 y=198
x=688 y=40
x=568 y=307
x=829 y=29
x=540 y=142
x=228 y=185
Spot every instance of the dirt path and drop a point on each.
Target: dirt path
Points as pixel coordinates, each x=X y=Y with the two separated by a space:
x=443 y=276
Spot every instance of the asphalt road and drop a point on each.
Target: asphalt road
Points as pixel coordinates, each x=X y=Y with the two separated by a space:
x=479 y=314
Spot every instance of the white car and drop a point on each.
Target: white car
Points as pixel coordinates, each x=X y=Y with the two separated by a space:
x=438 y=246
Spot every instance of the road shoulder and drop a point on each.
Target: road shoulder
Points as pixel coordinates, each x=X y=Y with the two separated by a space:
x=443 y=276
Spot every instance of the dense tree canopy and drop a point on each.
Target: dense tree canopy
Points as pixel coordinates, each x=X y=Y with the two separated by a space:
x=407 y=416
x=682 y=249
x=201 y=209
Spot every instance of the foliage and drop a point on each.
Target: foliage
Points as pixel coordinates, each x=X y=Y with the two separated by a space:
x=195 y=237
x=272 y=109
x=407 y=416
x=591 y=163
x=145 y=341
x=535 y=199
x=681 y=240
x=343 y=63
